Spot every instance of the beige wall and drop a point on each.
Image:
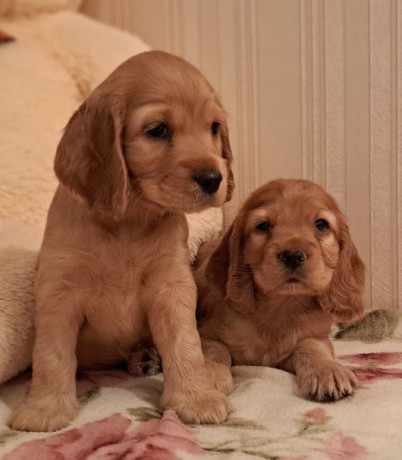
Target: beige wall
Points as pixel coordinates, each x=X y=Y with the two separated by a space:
x=313 y=89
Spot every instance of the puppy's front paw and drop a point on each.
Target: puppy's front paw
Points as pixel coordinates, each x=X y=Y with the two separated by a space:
x=46 y=414
x=144 y=362
x=328 y=381
x=202 y=406
x=221 y=376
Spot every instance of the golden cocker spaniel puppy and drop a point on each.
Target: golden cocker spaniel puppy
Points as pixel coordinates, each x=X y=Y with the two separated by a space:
x=270 y=289
x=149 y=144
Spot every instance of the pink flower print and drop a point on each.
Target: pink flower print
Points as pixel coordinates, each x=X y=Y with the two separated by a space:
x=113 y=438
x=373 y=375
x=77 y=443
x=341 y=447
x=158 y=440
x=316 y=415
x=384 y=359
x=368 y=370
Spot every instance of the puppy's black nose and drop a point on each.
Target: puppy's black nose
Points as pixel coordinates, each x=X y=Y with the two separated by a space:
x=292 y=259
x=208 y=180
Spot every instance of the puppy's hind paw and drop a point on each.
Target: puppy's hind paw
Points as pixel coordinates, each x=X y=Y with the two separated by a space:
x=144 y=362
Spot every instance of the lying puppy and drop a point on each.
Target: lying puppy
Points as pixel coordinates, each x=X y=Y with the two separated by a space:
x=270 y=289
x=149 y=144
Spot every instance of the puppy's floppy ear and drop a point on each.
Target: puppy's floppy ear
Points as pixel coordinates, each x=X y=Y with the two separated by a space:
x=227 y=155
x=89 y=159
x=227 y=273
x=344 y=296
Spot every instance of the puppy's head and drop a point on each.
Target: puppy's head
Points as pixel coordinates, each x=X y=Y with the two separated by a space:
x=153 y=129
x=290 y=238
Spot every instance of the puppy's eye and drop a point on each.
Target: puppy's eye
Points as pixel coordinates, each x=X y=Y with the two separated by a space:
x=321 y=225
x=264 y=227
x=215 y=128
x=160 y=131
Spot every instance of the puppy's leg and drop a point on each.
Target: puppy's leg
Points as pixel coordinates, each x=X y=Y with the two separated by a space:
x=188 y=387
x=51 y=403
x=318 y=374
x=219 y=362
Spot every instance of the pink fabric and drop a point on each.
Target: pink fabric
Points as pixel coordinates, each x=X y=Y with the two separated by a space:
x=341 y=447
x=316 y=415
x=114 y=438
x=384 y=359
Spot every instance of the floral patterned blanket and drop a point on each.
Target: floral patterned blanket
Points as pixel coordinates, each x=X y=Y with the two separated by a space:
x=120 y=418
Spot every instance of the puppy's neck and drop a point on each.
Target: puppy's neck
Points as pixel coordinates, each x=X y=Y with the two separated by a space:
x=140 y=209
x=302 y=303
x=140 y=215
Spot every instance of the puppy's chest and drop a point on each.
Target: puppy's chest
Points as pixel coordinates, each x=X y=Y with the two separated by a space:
x=117 y=282
x=264 y=343
x=113 y=296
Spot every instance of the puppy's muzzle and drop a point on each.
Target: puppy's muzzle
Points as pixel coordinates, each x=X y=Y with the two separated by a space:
x=208 y=180
x=292 y=259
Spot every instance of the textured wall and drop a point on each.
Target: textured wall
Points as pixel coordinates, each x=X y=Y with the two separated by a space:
x=313 y=89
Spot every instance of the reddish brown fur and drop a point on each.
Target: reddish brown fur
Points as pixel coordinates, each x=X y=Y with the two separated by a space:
x=114 y=264
x=251 y=313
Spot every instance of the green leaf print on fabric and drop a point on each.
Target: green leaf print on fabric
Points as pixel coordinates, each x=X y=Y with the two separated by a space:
x=310 y=436
x=91 y=394
x=243 y=424
x=143 y=414
x=5 y=436
x=258 y=447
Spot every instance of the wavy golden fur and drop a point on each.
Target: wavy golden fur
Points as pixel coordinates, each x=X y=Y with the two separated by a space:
x=150 y=143
x=270 y=289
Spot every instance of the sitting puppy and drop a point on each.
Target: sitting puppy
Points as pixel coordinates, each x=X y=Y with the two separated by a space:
x=149 y=144
x=270 y=289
